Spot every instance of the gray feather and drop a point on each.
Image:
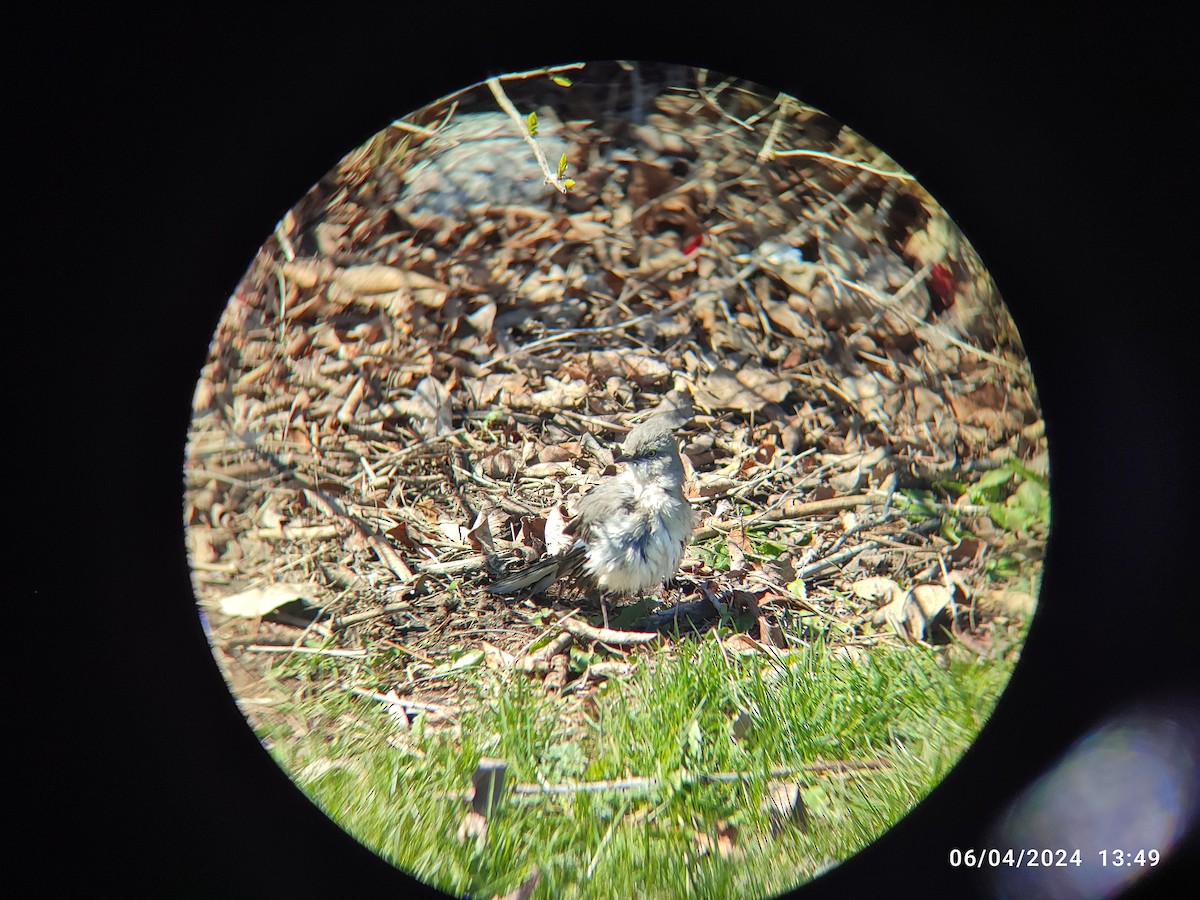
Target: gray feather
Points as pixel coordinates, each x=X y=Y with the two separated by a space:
x=540 y=574
x=630 y=529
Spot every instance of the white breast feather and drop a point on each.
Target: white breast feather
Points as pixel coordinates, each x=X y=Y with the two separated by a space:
x=620 y=567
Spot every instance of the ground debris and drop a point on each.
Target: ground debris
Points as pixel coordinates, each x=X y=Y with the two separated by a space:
x=419 y=377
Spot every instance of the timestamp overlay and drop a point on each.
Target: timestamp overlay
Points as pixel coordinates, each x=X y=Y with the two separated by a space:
x=1107 y=814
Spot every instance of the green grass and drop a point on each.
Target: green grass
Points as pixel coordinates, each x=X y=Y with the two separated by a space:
x=913 y=706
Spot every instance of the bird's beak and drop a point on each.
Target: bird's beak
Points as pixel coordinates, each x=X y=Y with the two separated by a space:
x=622 y=458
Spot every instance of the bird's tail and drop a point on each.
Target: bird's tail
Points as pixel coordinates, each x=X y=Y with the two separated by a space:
x=539 y=575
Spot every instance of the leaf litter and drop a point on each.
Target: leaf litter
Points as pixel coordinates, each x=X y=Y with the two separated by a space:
x=433 y=358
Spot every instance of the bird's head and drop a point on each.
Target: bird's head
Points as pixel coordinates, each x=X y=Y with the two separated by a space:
x=651 y=450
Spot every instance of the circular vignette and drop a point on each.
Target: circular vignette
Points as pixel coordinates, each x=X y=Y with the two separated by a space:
x=436 y=354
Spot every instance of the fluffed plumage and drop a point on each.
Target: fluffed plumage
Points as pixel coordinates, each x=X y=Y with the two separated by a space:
x=630 y=530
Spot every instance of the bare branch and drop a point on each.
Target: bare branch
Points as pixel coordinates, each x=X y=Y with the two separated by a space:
x=505 y=104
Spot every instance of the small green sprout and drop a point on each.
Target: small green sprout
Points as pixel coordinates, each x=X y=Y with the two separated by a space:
x=531 y=123
x=561 y=80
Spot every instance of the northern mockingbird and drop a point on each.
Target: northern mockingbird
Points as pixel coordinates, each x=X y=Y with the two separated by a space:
x=630 y=529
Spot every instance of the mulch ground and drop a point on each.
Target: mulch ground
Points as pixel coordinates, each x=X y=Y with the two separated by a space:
x=436 y=353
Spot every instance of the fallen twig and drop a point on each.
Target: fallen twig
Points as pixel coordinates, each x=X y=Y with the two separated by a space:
x=539 y=660
x=842 y=161
x=311 y=651
x=834 y=559
x=341 y=622
x=297 y=533
x=818 y=767
x=607 y=635
x=392 y=699
x=334 y=508
x=454 y=566
x=789 y=511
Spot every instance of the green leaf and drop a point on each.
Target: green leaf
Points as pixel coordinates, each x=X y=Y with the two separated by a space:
x=465 y=660
x=631 y=613
x=1001 y=568
x=531 y=123
x=562 y=164
x=912 y=502
x=674 y=781
x=816 y=800
x=1032 y=496
x=1025 y=473
x=745 y=622
x=994 y=478
x=715 y=556
x=951 y=487
x=767 y=548
x=561 y=80
x=580 y=659
x=951 y=531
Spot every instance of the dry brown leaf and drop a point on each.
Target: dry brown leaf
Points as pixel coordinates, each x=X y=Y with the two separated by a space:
x=910 y=612
x=741 y=643
x=483 y=318
x=786 y=318
x=875 y=588
x=363 y=281
x=926 y=404
x=257 y=602
x=496 y=658
x=454 y=532
x=624 y=364
x=345 y=413
x=429 y=408
x=307 y=273
x=480 y=535
x=966 y=553
x=557 y=395
x=708 y=484
x=738 y=545
x=748 y=390
x=725 y=842
x=585 y=228
x=740 y=723
x=557 y=540
x=904 y=615
x=548 y=470
x=484 y=391
x=987 y=406
x=501 y=465
x=847 y=482
x=647 y=180
x=401 y=535
x=202 y=542
x=473 y=826
x=487 y=785
x=559 y=452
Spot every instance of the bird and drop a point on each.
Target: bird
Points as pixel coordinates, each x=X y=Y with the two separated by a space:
x=630 y=530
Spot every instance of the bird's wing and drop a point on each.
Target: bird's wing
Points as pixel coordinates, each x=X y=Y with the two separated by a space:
x=605 y=503
x=540 y=574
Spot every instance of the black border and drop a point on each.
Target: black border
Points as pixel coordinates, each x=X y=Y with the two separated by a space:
x=161 y=149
